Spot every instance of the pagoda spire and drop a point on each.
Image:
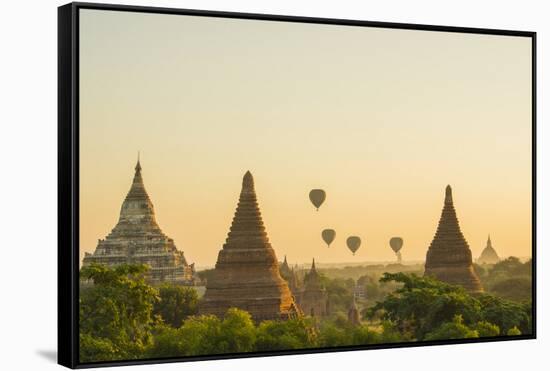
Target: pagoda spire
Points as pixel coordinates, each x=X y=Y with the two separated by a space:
x=285 y=270
x=312 y=278
x=448 y=223
x=248 y=183
x=137 y=190
x=137 y=174
x=138 y=165
x=448 y=195
x=247 y=222
x=449 y=258
x=137 y=207
x=247 y=273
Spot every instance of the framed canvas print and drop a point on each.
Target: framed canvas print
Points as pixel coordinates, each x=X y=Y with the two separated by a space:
x=239 y=185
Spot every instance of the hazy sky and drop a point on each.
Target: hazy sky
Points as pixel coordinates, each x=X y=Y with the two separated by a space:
x=382 y=119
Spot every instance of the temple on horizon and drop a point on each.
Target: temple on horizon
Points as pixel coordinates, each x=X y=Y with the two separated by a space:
x=449 y=258
x=137 y=239
x=488 y=255
x=247 y=274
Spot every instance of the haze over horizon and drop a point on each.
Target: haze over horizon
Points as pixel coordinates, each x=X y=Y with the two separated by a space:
x=381 y=119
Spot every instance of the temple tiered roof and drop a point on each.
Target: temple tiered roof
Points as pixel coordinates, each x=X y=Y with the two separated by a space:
x=137 y=214
x=488 y=255
x=312 y=280
x=290 y=276
x=449 y=258
x=137 y=239
x=285 y=270
x=313 y=298
x=247 y=275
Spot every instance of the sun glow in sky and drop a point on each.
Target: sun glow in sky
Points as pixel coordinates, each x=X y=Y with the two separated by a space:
x=381 y=119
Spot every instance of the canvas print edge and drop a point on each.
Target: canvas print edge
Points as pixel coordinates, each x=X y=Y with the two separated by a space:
x=68 y=178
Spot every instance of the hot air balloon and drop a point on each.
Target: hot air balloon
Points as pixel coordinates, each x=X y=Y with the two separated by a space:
x=328 y=236
x=317 y=197
x=396 y=243
x=353 y=243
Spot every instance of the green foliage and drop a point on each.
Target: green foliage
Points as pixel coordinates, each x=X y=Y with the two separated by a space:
x=98 y=349
x=176 y=303
x=122 y=317
x=200 y=335
x=527 y=309
x=335 y=332
x=296 y=333
x=423 y=304
x=425 y=308
x=510 y=279
x=515 y=288
x=506 y=314
x=371 y=285
x=116 y=313
x=486 y=329
x=361 y=335
x=390 y=334
x=374 y=270
x=339 y=291
x=341 y=332
x=482 y=271
x=514 y=331
x=168 y=342
x=512 y=266
x=238 y=333
x=456 y=329
x=376 y=290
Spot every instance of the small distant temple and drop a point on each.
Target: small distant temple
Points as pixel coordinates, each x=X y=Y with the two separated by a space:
x=359 y=292
x=353 y=313
x=488 y=255
x=285 y=270
x=313 y=297
x=291 y=277
x=449 y=258
x=137 y=239
x=247 y=275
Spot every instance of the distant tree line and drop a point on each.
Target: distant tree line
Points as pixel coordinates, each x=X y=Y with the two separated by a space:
x=510 y=278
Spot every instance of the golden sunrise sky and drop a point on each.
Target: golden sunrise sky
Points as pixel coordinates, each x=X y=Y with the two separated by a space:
x=382 y=119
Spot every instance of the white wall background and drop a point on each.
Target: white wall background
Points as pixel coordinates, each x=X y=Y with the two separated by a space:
x=28 y=165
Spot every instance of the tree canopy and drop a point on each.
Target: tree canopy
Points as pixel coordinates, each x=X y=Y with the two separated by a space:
x=176 y=303
x=201 y=335
x=123 y=317
x=116 y=313
x=426 y=308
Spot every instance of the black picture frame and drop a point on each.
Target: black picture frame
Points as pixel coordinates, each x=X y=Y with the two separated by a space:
x=68 y=175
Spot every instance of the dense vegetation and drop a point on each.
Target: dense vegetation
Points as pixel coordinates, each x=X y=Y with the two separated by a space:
x=116 y=313
x=122 y=317
x=510 y=278
x=427 y=309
